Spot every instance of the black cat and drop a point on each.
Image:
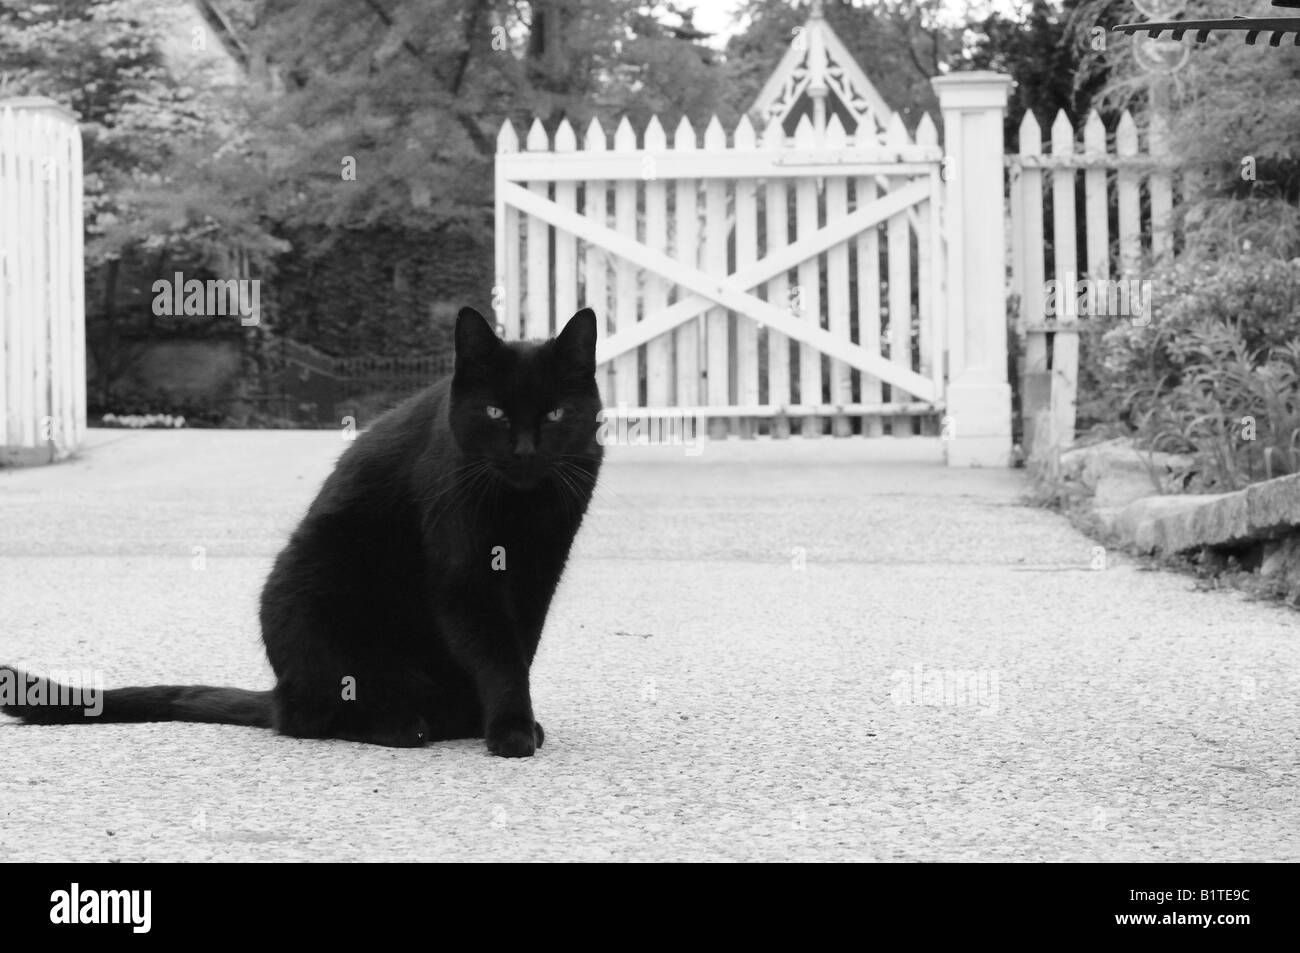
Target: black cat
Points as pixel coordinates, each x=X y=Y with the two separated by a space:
x=408 y=604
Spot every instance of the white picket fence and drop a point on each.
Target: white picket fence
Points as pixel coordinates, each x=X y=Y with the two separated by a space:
x=749 y=282
x=1118 y=241
x=42 y=289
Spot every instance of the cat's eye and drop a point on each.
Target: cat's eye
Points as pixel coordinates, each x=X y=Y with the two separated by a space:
x=556 y=414
x=495 y=413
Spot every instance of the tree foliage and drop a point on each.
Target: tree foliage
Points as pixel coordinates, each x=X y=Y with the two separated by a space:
x=1234 y=123
x=342 y=150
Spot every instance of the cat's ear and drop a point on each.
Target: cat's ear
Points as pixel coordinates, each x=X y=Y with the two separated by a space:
x=476 y=340
x=576 y=344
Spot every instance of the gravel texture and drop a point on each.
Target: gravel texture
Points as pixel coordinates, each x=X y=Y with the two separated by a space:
x=730 y=672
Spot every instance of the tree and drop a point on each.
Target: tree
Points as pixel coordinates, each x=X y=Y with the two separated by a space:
x=142 y=115
x=1047 y=52
x=1234 y=124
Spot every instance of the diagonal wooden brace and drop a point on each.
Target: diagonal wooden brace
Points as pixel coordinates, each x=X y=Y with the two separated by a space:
x=732 y=292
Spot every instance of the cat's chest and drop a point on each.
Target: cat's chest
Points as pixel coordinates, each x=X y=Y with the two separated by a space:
x=499 y=542
x=534 y=536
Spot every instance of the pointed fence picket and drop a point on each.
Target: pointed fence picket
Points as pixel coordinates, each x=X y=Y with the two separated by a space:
x=537 y=313
x=716 y=332
x=658 y=352
x=929 y=256
x=746 y=244
x=687 y=337
x=777 y=232
x=626 y=365
x=808 y=298
x=595 y=262
x=837 y=282
x=566 y=246
x=900 y=286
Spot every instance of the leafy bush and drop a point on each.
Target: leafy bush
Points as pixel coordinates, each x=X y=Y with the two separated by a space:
x=1215 y=374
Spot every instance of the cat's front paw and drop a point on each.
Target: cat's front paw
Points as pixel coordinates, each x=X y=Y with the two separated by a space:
x=513 y=741
x=540 y=735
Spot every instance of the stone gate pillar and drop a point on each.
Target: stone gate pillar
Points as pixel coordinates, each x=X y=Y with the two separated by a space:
x=978 y=428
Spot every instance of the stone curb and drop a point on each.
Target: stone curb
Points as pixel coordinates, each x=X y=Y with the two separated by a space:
x=1174 y=524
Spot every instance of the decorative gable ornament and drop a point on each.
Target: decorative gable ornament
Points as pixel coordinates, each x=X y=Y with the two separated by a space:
x=818 y=77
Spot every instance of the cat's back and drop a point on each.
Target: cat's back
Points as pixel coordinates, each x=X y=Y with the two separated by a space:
x=376 y=471
x=364 y=519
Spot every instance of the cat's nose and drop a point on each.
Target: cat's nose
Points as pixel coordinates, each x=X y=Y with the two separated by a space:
x=525 y=446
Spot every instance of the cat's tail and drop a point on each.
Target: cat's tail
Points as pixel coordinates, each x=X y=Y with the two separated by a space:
x=39 y=701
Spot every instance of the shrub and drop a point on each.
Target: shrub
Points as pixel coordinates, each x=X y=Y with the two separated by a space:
x=1215 y=374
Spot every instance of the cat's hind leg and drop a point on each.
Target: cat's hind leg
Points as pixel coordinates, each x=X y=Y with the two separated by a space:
x=408 y=734
x=388 y=729
x=392 y=718
x=391 y=731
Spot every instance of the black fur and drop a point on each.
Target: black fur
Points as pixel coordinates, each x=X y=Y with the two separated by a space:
x=384 y=618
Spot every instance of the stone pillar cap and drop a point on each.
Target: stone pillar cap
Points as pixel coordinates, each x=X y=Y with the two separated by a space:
x=975 y=89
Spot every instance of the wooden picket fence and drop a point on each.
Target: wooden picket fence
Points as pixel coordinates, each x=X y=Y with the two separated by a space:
x=753 y=283
x=1118 y=241
x=42 y=306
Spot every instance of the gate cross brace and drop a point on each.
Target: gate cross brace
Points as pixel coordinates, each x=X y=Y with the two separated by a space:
x=732 y=292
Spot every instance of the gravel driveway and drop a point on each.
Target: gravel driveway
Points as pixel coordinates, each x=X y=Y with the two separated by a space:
x=823 y=649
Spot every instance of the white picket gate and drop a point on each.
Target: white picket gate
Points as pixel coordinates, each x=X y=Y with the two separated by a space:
x=753 y=280
x=42 y=289
x=1117 y=173
x=820 y=277
x=834 y=270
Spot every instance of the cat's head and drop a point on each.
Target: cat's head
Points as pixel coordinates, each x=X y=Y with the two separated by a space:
x=527 y=409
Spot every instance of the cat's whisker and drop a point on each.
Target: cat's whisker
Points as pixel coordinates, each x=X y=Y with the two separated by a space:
x=457 y=479
x=558 y=480
x=454 y=477
x=581 y=484
x=461 y=480
x=430 y=501
x=568 y=491
x=589 y=479
x=487 y=480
